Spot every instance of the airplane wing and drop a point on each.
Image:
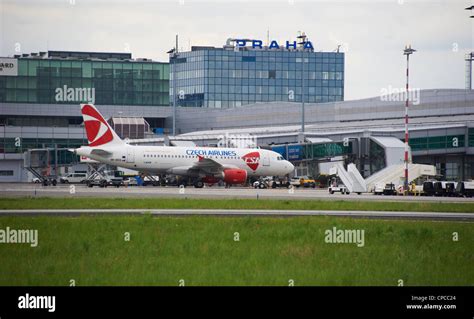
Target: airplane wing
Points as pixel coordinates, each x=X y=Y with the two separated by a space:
x=207 y=164
x=204 y=165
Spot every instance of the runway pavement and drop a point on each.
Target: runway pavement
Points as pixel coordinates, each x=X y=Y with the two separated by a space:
x=241 y=212
x=35 y=190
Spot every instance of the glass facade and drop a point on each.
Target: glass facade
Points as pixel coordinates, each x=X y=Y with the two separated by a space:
x=11 y=145
x=60 y=157
x=219 y=78
x=303 y=152
x=436 y=142
x=114 y=82
x=450 y=167
x=471 y=137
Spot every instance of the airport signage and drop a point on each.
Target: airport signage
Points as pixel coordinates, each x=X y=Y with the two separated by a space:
x=8 y=67
x=258 y=44
x=295 y=152
x=290 y=152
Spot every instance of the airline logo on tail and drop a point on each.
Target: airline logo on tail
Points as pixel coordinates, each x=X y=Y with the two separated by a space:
x=97 y=129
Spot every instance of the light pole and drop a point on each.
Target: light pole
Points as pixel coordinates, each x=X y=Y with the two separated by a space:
x=174 y=86
x=174 y=93
x=302 y=38
x=302 y=98
x=469 y=58
x=173 y=56
x=407 y=51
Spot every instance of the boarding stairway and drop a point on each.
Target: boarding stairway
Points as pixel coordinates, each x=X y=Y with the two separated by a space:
x=394 y=174
x=351 y=178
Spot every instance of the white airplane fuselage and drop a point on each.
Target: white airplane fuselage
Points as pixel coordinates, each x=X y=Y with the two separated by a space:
x=203 y=164
x=177 y=160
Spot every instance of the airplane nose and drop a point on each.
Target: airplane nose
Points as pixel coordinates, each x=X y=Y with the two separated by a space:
x=290 y=167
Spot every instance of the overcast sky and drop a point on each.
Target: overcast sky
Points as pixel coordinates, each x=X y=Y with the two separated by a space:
x=373 y=33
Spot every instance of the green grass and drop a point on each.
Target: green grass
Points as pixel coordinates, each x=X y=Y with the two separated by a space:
x=182 y=203
x=202 y=251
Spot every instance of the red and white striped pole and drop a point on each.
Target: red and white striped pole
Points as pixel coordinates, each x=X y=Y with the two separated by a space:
x=408 y=50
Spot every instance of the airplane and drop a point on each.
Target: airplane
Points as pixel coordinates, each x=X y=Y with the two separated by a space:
x=202 y=164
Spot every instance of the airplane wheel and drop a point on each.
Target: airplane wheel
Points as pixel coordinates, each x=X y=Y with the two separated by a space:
x=199 y=184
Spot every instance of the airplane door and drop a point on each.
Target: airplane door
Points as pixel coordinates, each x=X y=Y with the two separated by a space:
x=266 y=160
x=130 y=155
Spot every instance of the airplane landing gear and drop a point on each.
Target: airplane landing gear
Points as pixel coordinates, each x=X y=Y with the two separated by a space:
x=198 y=184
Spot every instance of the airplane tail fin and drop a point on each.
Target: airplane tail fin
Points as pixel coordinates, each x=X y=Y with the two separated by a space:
x=99 y=132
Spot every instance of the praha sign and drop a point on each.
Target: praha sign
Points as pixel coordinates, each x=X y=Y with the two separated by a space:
x=258 y=44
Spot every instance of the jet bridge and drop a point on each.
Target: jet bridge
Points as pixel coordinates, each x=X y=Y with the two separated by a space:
x=45 y=163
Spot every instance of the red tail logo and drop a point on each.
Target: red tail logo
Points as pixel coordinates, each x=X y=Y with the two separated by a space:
x=252 y=160
x=97 y=129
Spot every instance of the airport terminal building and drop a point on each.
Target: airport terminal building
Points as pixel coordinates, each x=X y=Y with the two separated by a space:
x=245 y=71
x=40 y=95
x=368 y=132
x=135 y=95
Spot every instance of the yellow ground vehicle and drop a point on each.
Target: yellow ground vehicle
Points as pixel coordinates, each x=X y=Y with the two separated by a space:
x=303 y=181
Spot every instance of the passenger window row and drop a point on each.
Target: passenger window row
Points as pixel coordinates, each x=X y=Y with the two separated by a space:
x=188 y=156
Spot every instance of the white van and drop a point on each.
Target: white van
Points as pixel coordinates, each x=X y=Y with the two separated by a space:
x=73 y=178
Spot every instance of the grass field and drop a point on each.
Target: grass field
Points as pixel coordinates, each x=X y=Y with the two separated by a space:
x=201 y=251
x=92 y=250
x=182 y=203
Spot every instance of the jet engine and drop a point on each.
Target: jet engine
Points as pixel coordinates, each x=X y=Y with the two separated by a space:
x=235 y=176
